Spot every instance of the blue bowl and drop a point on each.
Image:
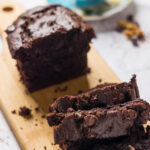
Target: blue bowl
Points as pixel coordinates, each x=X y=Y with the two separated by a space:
x=77 y=3
x=88 y=3
x=65 y=3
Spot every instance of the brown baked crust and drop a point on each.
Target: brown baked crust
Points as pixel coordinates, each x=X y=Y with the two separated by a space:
x=44 y=22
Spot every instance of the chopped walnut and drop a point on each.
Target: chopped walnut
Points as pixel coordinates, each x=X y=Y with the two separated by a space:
x=132 y=30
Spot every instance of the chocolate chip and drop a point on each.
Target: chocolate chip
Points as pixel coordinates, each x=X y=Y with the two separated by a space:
x=24 y=25
x=52 y=13
x=32 y=20
x=101 y=114
x=63 y=105
x=121 y=96
x=41 y=24
x=10 y=29
x=38 y=16
x=78 y=116
x=51 y=23
x=90 y=120
x=70 y=110
x=24 y=17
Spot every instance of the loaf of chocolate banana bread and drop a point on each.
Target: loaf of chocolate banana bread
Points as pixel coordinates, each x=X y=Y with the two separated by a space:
x=50 y=45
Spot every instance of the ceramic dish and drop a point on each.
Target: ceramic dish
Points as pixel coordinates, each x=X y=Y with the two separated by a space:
x=103 y=11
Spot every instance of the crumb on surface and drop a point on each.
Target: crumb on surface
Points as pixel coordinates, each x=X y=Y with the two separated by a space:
x=37 y=109
x=45 y=148
x=58 y=89
x=80 y=91
x=88 y=70
x=100 y=80
x=43 y=116
x=25 y=112
x=13 y=111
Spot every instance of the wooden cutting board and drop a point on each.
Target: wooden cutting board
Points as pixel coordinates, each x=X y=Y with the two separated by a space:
x=34 y=134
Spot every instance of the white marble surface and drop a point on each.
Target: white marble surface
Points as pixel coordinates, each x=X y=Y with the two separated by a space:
x=120 y=54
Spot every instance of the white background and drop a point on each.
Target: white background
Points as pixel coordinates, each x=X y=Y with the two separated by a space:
x=120 y=54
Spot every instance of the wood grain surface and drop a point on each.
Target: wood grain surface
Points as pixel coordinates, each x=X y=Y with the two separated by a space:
x=34 y=133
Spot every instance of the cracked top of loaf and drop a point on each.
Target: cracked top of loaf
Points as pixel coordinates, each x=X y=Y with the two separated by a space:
x=41 y=23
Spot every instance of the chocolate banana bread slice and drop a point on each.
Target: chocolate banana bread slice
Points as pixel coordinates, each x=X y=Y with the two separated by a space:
x=109 y=111
x=103 y=95
x=139 y=139
x=50 y=45
x=98 y=123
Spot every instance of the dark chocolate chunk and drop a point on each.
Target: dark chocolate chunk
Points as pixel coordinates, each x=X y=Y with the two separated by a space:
x=90 y=120
x=10 y=29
